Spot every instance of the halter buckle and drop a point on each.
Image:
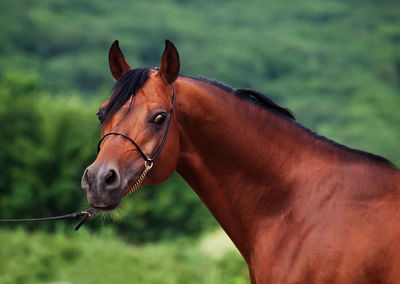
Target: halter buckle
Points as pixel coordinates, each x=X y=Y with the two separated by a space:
x=148 y=164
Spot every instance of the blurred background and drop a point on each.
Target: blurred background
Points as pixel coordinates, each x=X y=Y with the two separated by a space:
x=335 y=64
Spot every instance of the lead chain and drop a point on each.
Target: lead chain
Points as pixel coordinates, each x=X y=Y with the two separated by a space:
x=138 y=183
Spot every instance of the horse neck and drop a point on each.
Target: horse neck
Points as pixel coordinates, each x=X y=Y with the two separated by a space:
x=239 y=158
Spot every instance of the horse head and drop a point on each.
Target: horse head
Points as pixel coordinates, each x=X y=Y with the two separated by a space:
x=137 y=123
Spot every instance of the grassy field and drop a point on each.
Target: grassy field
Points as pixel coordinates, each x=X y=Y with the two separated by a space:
x=85 y=258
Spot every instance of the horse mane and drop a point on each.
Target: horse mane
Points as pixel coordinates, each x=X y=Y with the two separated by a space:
x=133 y=81
x=249 y=95
x=127 y=86
x=263 y=101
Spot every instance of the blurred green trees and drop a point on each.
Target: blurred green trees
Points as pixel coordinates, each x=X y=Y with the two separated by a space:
x=46 y=144
x=46 y=141
x=335 y=63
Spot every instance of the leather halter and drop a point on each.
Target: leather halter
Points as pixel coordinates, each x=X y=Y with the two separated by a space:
x=147 y=159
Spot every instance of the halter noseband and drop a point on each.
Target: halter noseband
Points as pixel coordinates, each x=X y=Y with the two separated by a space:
x=148 y=160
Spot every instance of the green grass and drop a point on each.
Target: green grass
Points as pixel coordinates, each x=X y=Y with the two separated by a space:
x=86 y=258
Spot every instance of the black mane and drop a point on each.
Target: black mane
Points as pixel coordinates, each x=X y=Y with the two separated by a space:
x=249 y=95
x=127 y=86
x=264 y=102
x=133 y=81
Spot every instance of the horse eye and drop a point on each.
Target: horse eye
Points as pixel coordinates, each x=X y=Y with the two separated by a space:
x=159 y=118
x=100 y=117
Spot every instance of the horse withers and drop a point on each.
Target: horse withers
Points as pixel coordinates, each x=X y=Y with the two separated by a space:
x=299 y=207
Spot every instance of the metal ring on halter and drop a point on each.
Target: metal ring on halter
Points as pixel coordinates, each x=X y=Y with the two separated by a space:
x=148 y=164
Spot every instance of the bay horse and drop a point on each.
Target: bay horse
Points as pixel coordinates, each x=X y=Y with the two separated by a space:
x=300 y=208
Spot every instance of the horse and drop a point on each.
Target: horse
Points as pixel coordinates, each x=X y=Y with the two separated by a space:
x=299 y=207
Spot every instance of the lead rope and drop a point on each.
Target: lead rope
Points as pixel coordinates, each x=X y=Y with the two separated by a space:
x=138 y=183
x=86 y=213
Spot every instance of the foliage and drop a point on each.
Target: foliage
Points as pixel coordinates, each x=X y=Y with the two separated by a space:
x=102 y=258
x=335 y=63
x=48 y=141
x=326 y=60
x=43 y=149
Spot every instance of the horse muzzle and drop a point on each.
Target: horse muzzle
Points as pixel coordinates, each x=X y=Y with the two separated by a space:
x=103 y=186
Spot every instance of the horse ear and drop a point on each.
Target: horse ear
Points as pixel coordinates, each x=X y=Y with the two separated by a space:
x=118 y=65
x=169 y=67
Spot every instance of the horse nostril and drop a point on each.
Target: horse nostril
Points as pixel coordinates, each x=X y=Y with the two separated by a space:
x=110 y=177
x=85 y=182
